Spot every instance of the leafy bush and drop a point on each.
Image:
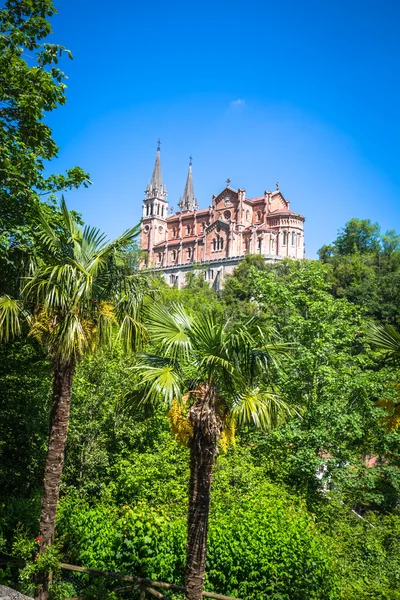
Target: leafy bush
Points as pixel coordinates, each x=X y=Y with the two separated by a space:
x=262 y=541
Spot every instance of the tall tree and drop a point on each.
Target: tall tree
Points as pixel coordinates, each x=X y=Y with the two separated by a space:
x=365 y=268
x=358 y=235
x=77 y=290
x=213 y=376
x=31 y=85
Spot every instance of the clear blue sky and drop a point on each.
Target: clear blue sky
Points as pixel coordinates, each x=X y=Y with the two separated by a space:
x=304 y=92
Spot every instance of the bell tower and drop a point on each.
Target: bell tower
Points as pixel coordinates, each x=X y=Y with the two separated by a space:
x=154 y=210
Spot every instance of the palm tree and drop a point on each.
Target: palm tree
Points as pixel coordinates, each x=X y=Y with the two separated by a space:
x=213 y=374
x=387 y=338
x=75 y=293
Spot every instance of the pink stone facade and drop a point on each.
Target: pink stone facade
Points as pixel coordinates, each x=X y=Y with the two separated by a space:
x=218 y=237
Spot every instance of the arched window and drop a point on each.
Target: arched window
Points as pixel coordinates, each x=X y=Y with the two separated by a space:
x=151 y=209
x=162 y=211
x=284 y=238
x=221 y=243
x=159 y=257
x=259 y=216
x=158 y=209
x=298 y=239
x=247 y=215
x=147 y=210
x=174 y=254
x=214 y=244
x=189 y=253
x=292 y=238
x=259 y=244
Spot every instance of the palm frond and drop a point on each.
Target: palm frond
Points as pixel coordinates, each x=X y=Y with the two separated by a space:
x=70 y=337
x=160 y=379
x=54 y=286
x=131 y=297
x=170 y=328
x=12 y=315
x=41 y=325
x=93 y=240
x=79 y=289
x=261 y=407
x=69 y=221
x=222 y=364
x=105 y=323
x=243 y=335
x=214 y=352
x=46 y=234
x=385 y=337
x=131 y=333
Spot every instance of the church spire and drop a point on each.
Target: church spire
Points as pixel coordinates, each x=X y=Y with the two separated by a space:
x=188 y=202
x=155 y=189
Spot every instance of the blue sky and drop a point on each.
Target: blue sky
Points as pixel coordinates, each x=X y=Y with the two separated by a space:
x=302 y=92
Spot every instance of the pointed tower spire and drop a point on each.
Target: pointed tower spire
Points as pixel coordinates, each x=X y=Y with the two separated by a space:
x=188 y=201
x=155 y=189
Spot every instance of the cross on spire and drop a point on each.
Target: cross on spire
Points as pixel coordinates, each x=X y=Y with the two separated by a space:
x=158 y=144
x=190 y=160
x=228 y=181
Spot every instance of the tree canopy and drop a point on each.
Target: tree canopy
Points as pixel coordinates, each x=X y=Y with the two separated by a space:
x=32 y=85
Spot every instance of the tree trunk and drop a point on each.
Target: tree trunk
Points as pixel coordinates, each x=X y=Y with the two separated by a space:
x=61 y=402
x=207 y=427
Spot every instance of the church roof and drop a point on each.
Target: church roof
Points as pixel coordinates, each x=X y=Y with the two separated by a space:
x=188 y=214
x=283 y=211
x=255 y=199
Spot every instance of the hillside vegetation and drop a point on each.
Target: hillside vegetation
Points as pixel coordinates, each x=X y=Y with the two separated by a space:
x=307 y=509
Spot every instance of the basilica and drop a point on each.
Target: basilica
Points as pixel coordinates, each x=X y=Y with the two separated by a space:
x=215 y=239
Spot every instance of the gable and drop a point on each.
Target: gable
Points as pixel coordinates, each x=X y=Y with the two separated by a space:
x=228 y=197
x=278 y=202
x=217 y=225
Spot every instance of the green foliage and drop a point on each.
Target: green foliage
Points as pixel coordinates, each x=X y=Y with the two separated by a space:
x=35 y=563
x=238 y=288
x=331 y=374
x=365 y=268
x=31 y=85
x=262 y=541
x=24 y=404
x=366 y=550
x=286 y=504
x=112 y=457
x=77 y=290
x=358 y=235
x=136 y=539
x=196 y=295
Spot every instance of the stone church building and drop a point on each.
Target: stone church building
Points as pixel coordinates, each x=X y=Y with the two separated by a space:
x=216 y=238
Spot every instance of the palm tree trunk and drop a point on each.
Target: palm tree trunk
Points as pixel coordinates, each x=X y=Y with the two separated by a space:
x=207 y=427
x=62 y=389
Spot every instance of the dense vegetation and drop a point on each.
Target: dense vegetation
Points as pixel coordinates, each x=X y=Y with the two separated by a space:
x=286 y=504
x=304 y=507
